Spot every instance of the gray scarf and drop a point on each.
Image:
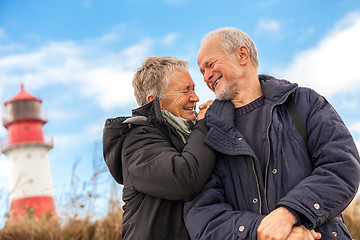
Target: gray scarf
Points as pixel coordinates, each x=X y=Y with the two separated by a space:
x=180 y=124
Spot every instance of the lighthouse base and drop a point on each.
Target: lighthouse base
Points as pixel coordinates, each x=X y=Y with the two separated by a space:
x=30 y=207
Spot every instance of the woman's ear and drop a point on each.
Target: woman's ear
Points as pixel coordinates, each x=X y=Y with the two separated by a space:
x=149 y=98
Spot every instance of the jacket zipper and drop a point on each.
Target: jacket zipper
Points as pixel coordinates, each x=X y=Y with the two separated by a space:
x=257 y=184
x=268 y=140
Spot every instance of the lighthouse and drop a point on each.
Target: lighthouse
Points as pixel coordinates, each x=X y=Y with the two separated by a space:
x=31 y=191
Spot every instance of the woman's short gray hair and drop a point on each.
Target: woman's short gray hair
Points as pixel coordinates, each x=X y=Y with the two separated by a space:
x=233 y=38
x=152 y=76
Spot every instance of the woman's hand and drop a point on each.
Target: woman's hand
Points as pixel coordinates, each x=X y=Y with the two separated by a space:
x=203 y=108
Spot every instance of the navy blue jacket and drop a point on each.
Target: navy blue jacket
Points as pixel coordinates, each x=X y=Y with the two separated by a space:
x=317 y=179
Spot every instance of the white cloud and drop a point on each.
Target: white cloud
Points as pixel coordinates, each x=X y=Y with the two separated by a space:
x=355 y=128
x=61 y=116
x=303 y=36
x=332 y=66
x=10 y=47
x=115 y=34
x=105 y=77
x=267 y=26
x=88 y=134
x=89 y=68
x=109 y=87
x=347 y=102
x=170 y=38
x=134 y=55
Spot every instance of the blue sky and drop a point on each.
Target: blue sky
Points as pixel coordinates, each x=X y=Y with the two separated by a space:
x=79 y=58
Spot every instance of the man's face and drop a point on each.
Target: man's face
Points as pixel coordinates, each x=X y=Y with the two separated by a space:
x=220 y=70
x=180 y=97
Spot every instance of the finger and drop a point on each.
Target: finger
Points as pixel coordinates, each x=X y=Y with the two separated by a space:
x=208 y=103
x=203 y=106
x=316 y=235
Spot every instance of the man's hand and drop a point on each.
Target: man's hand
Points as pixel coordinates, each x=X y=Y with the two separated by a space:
x=302 y=233
x=277 y=225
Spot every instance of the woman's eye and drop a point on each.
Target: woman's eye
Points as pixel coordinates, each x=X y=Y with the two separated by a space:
x=186 y=91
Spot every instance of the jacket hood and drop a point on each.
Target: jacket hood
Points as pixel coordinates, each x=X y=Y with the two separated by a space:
x=116 y=129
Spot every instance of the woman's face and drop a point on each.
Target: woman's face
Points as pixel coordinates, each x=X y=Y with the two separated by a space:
x=180 y=97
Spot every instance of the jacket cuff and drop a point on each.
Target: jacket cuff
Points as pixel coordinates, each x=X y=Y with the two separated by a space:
x=300 y=218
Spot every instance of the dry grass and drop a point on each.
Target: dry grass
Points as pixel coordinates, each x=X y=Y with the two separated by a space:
x=104 y=229
x=31 y=229
x=108 y=228
x=352 y=218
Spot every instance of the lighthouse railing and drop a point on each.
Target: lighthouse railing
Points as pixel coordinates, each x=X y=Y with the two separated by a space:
x=8 y=116
x=48 y=142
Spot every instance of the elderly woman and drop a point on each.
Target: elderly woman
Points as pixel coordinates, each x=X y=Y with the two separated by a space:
x=158 y=154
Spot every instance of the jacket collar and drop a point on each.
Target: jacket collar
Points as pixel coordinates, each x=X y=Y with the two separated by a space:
x=150 y=110
x=223 y=135
x=274 y=89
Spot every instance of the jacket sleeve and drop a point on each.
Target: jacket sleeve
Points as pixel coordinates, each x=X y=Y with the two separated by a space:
x=155 y=168
x=336 y=174
x=210 y=217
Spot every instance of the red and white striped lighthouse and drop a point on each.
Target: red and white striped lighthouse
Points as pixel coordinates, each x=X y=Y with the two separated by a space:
x=31 y=191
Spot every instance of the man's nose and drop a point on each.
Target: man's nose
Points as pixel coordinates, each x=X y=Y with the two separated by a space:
x=208 y=76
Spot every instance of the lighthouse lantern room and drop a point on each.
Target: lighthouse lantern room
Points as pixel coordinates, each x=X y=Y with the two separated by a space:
x=31 y=191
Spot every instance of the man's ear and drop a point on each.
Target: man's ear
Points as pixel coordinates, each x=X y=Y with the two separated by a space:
x=242 y=53
x=150 y=97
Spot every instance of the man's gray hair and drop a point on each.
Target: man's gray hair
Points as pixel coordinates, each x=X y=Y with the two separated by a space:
x=152 y=76
x=233 y=38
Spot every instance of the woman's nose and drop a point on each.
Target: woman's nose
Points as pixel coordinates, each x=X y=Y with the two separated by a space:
x=194 y=97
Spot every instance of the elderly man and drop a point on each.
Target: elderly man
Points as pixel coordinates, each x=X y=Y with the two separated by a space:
x=286 y=164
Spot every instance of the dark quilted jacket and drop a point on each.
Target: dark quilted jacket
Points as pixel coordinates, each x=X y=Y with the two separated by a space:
x=158 y=171
x=317 y=179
